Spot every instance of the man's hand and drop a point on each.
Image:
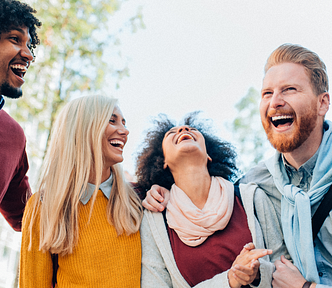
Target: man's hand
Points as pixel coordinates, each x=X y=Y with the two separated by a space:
x=287 y=275
x=245 y=268
x=156 y=198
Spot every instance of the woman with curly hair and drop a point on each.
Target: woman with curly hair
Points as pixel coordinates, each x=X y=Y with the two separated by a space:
x=204 y=237
x=84 y=211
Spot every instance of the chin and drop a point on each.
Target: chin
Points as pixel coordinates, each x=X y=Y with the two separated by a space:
x=10 y=91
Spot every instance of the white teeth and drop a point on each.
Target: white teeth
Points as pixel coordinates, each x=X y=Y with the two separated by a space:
x=19 y=66
x=275 y=118
x=185 y=136
x=117 y=142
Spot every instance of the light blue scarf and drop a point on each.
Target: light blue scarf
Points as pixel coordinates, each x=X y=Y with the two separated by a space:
x=296 y=205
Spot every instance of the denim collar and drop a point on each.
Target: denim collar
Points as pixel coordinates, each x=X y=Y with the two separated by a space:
x=105 y=187
x=2 y=101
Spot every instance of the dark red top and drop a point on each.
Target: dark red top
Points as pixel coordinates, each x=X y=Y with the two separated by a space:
x=14 y=186
x=217 y=253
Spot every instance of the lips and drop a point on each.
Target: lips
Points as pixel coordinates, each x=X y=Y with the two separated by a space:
x=282 y=120
x=117 y=143
x=183 y=137
x=19 y=69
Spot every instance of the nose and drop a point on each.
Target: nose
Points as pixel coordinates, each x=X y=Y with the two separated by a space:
x=277 y=100
x=123 y=131
x=26 y=53
x=182 y=128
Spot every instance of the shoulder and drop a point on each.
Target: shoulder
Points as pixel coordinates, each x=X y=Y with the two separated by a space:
x=10 y=124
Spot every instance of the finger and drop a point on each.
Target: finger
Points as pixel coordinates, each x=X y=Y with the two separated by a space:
x=157 y=192
x=258 y=253
x=149 y=207
x=254 y=264
x=288 y=263
x=244 y=275
x=247 y=247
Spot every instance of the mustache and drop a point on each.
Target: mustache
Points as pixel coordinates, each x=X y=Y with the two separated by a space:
x=273 y=112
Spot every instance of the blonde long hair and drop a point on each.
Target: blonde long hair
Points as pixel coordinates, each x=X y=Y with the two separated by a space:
x=75 y=150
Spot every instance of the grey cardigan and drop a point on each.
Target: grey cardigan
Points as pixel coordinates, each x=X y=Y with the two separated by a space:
x=159 y=267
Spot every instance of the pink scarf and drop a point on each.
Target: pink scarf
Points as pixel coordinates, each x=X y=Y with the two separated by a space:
x=194 y=225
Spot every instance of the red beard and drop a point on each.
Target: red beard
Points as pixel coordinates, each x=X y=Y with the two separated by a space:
x=303 y=125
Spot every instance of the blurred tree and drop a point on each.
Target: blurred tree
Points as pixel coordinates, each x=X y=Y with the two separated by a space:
x=248 y=132
x=79 y=43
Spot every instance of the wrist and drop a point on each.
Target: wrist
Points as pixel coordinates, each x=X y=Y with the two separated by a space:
x=307 y=284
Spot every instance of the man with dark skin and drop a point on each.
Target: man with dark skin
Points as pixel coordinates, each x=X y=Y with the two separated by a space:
x=18 y=38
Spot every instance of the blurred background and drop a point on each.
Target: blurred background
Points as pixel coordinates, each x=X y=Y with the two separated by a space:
x=171 y=57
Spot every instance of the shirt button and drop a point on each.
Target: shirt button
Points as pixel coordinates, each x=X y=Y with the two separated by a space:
x=320 y=274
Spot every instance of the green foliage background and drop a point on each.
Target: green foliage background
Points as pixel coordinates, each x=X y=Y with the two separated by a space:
x=77 y=40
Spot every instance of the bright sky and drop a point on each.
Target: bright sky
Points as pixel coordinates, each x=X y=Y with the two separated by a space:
x=206 y=54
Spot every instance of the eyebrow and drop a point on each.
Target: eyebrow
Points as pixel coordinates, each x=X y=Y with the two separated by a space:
x=18 y=29
x=116 y=116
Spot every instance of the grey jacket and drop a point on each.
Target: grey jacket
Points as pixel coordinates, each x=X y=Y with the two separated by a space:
x=159 y=267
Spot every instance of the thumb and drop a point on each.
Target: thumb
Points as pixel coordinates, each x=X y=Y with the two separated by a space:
x=288 y=263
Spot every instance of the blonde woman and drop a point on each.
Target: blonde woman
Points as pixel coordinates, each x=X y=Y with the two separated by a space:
x=83 y=211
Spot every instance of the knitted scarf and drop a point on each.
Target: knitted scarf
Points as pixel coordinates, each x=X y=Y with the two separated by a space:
x=194 y=225
x=296 y=205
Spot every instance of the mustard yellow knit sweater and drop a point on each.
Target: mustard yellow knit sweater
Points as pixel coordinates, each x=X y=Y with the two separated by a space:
x=100 y=258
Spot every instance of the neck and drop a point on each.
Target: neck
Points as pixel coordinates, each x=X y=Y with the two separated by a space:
x=105 y=175
x=302 y=154
x=195 y=182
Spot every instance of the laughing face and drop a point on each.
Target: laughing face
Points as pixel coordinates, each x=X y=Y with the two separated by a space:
x=289 y=107
x=182 y=140
x=15 y=59
x=115 y=138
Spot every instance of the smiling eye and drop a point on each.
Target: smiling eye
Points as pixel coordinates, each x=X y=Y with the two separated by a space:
x=15 y=38
x=288 y=89
x=112 y=121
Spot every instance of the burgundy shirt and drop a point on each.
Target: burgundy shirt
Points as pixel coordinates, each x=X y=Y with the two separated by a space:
x=14 y=186
x=217 y=253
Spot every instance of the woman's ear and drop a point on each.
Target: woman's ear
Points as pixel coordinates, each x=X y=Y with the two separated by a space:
x=209 y=158
x=165 y=165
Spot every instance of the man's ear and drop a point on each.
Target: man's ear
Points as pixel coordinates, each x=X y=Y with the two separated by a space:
x=324 y=103
x=209 y=158
x=165 y=165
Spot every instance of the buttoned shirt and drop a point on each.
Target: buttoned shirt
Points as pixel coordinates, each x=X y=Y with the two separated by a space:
x=302 y=179
x=105 y=187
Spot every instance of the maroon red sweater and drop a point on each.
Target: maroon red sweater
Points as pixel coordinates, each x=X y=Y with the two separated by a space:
x=14 y=186
x=217 y=253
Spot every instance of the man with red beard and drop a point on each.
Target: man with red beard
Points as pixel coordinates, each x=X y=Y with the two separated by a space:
x=290 y=186
x=18 y=37
x=294 y=102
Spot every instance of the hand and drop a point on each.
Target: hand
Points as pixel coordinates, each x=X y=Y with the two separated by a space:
x=287 y=275
x=156 y=198
x=245 y=268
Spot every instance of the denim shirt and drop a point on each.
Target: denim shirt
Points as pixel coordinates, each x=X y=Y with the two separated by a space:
x=2 y=101
x=302 y=179
x=105 y=187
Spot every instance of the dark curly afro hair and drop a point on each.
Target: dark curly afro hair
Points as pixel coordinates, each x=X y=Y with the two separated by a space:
x=150 y=161
x=15 y=14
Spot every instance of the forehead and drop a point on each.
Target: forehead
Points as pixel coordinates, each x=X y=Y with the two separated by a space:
x=286 y=73
x=117 y=111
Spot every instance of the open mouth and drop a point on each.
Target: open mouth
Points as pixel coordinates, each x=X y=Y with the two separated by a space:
x=282 y=120
x=184 y=137
x=117 y=143
x=19 y=70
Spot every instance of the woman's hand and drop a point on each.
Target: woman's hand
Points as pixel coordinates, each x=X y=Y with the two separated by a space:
x=156 y=198
x=245 y=268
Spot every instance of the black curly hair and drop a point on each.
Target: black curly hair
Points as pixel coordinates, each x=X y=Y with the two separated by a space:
x=15 y=14
x=150 y=161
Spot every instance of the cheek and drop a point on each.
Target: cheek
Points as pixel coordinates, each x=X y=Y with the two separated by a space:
x=263 y=107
